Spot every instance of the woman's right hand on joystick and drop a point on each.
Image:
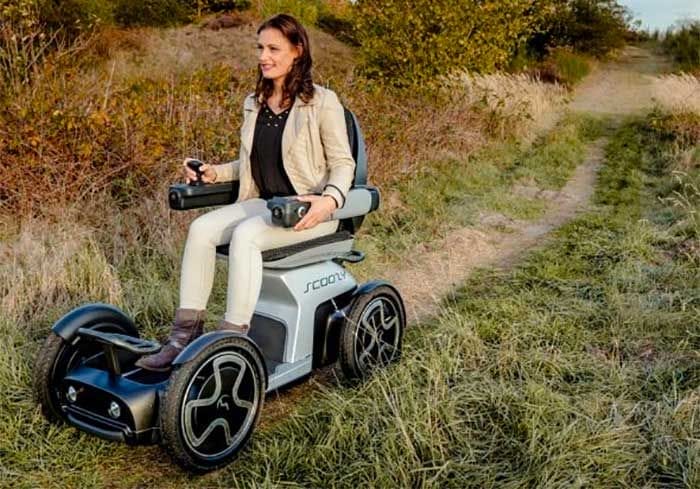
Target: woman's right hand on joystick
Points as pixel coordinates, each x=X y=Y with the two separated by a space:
x=208 y=172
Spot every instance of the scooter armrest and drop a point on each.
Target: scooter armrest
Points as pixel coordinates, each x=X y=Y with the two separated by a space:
x=360 y=200
x=183 y=196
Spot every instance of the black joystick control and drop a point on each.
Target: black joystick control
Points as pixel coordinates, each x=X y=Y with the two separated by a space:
x=287 y=211
x=195 y=166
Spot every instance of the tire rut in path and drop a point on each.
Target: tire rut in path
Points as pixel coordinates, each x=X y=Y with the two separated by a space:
x=429 y=276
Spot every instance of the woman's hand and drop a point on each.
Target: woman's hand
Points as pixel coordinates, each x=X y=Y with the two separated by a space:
x=208 y=172
x=322 y=206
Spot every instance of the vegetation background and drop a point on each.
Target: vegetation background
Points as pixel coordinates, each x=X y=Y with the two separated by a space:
x=578 y=368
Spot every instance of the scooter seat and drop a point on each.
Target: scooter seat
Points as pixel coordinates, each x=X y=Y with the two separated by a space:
x=329 y=247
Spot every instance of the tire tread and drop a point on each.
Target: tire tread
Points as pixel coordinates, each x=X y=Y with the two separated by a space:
x=41 y=384
x=346 y=356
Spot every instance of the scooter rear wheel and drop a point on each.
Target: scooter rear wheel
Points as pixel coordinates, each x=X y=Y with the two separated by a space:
x=372 y=332
x=213 y=404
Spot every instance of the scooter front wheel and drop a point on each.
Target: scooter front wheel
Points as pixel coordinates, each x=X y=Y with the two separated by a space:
x=213 y=404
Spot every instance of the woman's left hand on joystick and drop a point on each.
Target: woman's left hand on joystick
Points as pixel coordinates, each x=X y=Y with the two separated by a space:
x=322 y=207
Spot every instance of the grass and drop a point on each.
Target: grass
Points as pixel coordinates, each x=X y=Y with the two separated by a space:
x=578 y=368
x=132 y=260
x=487 y=394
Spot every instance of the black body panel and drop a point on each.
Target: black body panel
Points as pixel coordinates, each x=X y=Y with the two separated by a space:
x=327 y=321
x=271 y=336
x=97 y=389
x=183 y=196
x=90 y=315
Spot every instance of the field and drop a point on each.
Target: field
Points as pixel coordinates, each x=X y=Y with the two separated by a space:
x=573 y=363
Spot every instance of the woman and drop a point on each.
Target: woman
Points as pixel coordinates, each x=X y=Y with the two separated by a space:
x=293 y=142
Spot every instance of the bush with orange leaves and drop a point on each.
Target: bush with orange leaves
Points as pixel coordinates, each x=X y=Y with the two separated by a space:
x=70 y=136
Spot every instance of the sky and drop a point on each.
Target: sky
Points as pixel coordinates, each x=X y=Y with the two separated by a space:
x=661 y=14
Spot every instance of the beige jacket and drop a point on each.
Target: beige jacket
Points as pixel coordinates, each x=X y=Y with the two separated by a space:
x=315 y=148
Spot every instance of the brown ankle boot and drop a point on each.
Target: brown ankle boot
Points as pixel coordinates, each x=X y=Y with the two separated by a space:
x=236 y=328
x=188 y=325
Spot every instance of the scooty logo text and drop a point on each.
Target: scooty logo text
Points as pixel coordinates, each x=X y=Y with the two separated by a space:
x=325 y=281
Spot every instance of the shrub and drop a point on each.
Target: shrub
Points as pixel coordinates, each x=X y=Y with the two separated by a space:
x=26 y=43
x=684 y=45
x=594 y=27
x=416 y=41
x=305 y=11
x=22 y=12
x=336 y=18
x=220 y=5
x=73 y=16
x=150 y=12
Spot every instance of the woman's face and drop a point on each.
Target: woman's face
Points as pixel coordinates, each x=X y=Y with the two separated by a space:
x=275 y=54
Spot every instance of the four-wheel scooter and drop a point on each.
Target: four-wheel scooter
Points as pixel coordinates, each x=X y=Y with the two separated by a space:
x=311 y=312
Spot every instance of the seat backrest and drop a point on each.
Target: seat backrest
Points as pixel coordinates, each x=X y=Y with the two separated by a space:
x=359 y=154
x=357 y=147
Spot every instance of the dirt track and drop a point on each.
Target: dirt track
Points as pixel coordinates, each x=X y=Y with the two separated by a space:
x=622 y=87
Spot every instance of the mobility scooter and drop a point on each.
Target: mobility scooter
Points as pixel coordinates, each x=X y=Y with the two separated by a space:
x=311 y=312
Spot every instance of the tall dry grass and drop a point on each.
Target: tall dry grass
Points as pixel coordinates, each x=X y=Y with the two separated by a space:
x=678 y=93
x=678 y=108
x=129 y=258
x=517 y=104
x=44 y=267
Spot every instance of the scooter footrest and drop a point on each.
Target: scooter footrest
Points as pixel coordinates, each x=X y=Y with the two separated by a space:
x=138 y=346
x=354 y=256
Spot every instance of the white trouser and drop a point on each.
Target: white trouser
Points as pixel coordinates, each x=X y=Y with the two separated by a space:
x=246 y=226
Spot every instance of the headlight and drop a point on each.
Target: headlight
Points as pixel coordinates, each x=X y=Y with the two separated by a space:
x=114 y=411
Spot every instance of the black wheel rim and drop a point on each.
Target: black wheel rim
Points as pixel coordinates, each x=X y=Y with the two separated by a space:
x=377 y=335
x=219 y=406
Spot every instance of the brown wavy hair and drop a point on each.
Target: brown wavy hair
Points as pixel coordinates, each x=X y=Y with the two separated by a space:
x=298 y=82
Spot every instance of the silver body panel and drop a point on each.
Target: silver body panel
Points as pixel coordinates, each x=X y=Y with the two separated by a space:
x=285 y=373
x=292 y=296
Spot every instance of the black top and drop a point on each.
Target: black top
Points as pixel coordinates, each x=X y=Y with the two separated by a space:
x=266 y=155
